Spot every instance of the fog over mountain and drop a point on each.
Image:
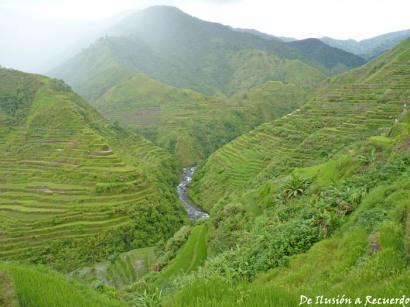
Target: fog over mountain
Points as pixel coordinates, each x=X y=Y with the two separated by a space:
x=37 y=35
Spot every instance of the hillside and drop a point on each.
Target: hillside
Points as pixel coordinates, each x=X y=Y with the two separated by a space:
x=180 y=50
x=334 y=59
x=75 y=189
x=188 y=124
x=371 y=47
x=352 y=107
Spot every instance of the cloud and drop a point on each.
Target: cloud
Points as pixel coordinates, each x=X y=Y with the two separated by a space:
x=297 y=18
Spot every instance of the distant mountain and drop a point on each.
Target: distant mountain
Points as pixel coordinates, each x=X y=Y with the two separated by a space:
x=369 y=48
x=334 y=59
x=72 y=183
x=265 y=35
x=180 y=50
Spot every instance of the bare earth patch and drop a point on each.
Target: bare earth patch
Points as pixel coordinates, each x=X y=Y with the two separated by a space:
x=8 y=296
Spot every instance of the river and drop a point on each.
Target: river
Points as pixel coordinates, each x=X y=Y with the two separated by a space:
x=194 y=213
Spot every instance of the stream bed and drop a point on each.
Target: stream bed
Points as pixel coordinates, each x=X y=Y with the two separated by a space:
x=194 y=213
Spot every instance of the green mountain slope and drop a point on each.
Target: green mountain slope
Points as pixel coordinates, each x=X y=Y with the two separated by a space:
x=177 y=49
x=352 y=107
x=371 y=47
x=75 y=189
x=334 y=59
x=191 y=125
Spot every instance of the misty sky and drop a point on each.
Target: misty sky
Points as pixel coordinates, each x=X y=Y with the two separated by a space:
x=296 y=18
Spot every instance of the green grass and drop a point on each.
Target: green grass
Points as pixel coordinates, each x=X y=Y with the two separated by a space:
x=41 y=287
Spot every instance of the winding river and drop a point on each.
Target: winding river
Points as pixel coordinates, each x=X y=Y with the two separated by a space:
x=193 y=212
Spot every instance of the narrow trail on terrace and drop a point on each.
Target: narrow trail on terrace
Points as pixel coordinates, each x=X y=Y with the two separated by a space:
x=194 y=213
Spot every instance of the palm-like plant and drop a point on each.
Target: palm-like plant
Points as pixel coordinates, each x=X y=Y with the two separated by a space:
x=295 y=187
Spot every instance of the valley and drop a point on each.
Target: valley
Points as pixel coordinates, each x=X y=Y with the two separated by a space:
x=181 y=162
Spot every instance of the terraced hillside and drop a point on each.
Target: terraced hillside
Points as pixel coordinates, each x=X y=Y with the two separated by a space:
x=349 y=109
x=191 y=125
x=74 y=188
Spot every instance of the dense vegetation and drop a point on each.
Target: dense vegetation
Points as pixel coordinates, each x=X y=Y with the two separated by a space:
x=74 y=188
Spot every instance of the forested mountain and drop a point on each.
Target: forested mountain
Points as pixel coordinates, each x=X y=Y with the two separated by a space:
x=180 y=50
x=75 y=188
x=371 y=47
x=334 y=59
x=266 y=36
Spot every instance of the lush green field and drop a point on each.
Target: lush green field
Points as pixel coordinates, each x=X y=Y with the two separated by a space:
x=74 y=188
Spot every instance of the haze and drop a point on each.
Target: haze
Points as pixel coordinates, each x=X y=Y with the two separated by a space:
x=37 y=34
